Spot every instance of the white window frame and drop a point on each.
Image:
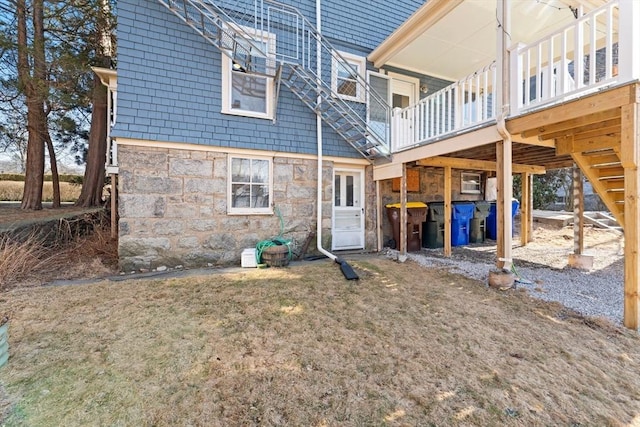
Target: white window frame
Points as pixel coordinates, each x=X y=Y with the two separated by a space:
x=361 y=63
x=244 y=210
x=470 y=183
x=227 y=70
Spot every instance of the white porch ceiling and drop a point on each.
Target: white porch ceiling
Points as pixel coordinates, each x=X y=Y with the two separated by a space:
x=464 y=40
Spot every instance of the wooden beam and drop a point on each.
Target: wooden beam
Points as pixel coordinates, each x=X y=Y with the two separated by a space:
x=547 y=131
x=525 y=229
x=530 y=219
x=578 y=212
x=607 y=126
x=503 y=204
x=469 y=164
x=570 y=145
x=447 y=211
x=378 y=216
x=533 y=140
x=114 y=205
x=402 y=245
x=631 y=160
x=593 y=104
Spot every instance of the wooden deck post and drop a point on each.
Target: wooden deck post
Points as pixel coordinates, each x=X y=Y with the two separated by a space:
x=447 y=211
x=630 y=157
x=503 y=204
x=578 y=212
x=378 y=217
x=525 y=208
x=402 y=245
x=530 y=219
x=114 y=206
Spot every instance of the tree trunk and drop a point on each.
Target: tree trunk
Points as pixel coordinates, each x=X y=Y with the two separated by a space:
x=35 y=89
x=55 y=179
x=93 y=182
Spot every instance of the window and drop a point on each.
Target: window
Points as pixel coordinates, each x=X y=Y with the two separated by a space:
x=250 y=185
x=344 y=78
x=244 y=93
x=471 y=183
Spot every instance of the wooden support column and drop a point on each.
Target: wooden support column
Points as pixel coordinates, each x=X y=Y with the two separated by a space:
x=578 y=212
x=525 y=209
x=630 y=157
x=447 y=211
x=503 y=204
x=378 y=216
x=114 y=205
x=530 y=219
x=402 y=245
x=577 y=259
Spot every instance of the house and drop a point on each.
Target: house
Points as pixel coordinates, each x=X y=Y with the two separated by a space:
x=240 y=120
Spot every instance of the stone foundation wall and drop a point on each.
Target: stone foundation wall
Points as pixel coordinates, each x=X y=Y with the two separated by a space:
x=431 y=190
x=173 y=208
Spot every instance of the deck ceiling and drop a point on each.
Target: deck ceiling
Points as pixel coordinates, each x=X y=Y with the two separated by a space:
x=523 y=154
x=464 y=40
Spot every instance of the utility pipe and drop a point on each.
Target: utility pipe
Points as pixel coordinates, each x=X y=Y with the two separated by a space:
x=319 y=136
x=347 y=271
x=503 y=15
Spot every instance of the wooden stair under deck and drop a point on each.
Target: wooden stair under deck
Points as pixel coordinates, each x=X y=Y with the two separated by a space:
x=603 y=169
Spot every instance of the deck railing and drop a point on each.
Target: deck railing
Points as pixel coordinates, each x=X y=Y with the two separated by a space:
x=579 y=58
x=462 y=105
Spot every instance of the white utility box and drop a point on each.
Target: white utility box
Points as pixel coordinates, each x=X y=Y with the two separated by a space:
x=249 y=258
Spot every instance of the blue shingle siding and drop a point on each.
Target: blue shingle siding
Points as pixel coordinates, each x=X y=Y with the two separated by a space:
x=169 y=79
x=364 y=24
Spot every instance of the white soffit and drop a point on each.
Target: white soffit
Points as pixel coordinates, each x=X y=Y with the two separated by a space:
x=464 y=40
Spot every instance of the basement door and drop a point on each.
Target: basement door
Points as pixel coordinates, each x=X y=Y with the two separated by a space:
x=348 y=209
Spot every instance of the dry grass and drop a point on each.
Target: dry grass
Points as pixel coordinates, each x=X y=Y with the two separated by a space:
x=12 y=191
x=301 y=346
x=30 y=262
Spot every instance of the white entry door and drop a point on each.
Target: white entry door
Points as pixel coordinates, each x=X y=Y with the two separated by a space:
x=404 y=93
x=348 y=210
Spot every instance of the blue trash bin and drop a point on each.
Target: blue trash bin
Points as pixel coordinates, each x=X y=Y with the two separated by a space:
x=461 y=214
x=492 y=232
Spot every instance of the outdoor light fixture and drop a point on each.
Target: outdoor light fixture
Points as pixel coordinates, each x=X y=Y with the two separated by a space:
x=238 y=67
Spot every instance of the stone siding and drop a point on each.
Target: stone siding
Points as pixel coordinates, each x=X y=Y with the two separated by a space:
x=173 y=208
x=431 y=190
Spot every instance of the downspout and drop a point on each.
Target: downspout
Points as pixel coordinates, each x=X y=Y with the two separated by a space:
x=319 y=136
x=501 y=127
x=346 y=269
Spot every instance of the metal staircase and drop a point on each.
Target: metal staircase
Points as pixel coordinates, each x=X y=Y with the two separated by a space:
x=267 y=38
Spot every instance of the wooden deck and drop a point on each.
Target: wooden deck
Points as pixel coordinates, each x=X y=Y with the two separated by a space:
x=600 y=133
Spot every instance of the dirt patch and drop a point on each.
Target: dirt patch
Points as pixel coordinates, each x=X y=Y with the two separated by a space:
x=551 y=247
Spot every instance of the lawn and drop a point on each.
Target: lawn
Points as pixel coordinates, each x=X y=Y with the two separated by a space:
x=301 y=346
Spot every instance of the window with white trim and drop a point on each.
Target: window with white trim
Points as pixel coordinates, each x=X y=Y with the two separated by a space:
x=250 y=185
x=471 y=183
x=244 y=93
x=344 y=80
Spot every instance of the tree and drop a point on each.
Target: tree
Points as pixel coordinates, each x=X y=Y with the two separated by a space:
x=545 y=187
x=13 y=138
x=49 y=48
x=93 y=182
x=32 y=82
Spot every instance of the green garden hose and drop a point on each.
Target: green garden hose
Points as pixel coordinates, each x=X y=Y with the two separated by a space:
x=274 y=241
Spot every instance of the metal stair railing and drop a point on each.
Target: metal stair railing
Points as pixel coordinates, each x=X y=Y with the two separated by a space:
x=269 y=38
